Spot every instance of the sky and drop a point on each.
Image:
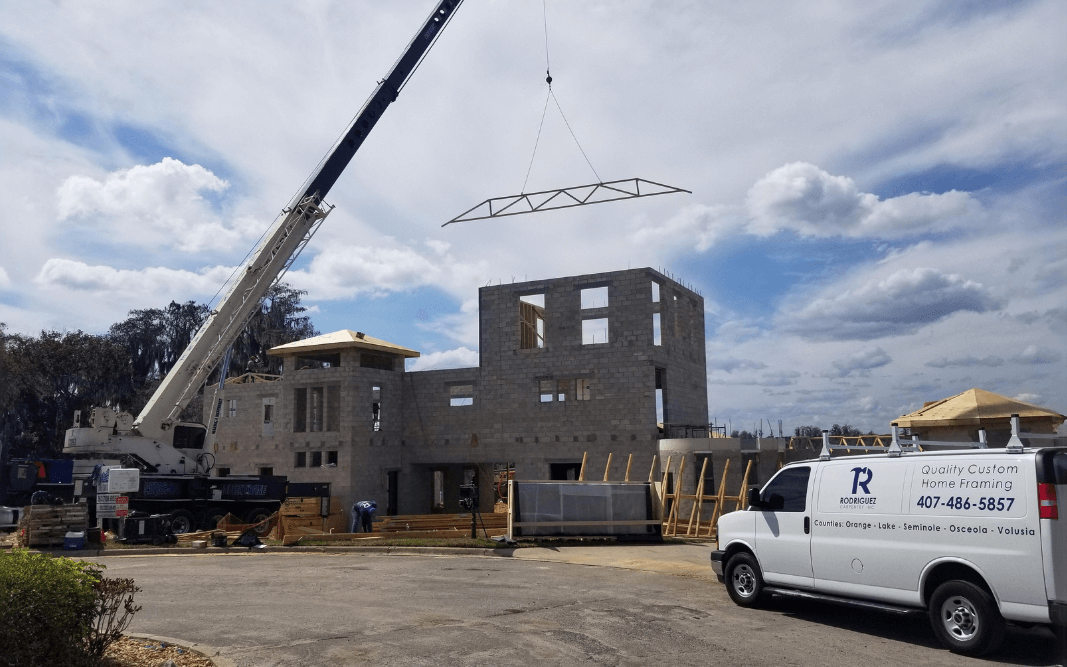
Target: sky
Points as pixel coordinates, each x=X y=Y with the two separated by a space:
x=877 y=216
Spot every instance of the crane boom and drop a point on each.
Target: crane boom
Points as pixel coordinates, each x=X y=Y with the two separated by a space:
x=282 y=244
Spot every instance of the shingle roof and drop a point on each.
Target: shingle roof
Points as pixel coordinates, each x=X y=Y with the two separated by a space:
x=974 y=407
x=341 y=340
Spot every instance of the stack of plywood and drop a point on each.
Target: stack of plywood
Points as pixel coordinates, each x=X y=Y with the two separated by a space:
x=301 y=515
x=45 y=526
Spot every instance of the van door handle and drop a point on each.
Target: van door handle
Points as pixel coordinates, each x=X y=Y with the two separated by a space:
x=807 y=525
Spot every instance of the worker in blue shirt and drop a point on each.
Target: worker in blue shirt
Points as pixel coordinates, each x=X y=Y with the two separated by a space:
x=363 y=515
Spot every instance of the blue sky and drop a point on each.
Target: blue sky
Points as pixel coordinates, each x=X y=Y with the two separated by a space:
x=877 y=217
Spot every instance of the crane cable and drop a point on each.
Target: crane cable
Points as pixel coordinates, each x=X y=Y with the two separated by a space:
x=552 y=95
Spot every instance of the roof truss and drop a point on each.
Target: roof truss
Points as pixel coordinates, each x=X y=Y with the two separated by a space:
x=550 y=200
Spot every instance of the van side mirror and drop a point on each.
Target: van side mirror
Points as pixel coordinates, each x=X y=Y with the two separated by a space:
x=754 y=499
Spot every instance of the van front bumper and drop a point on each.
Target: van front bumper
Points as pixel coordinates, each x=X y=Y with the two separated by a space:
x=1057 y=612
x=716 y=563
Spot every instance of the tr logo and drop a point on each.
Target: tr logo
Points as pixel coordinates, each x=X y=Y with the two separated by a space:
x=856 y=472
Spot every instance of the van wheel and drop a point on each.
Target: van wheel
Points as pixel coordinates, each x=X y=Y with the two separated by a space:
x=965 y=618
x=744 y=582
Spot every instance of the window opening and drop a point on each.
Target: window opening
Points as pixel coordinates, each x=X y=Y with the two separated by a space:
x=655 y=292
x=531 y=321
x=331 y=458
x=661 y=398
x=233 y=407
x=595 y=297
x=583 y=389
x=657 y=335
x=316 y=459
x=788 y=491
x=595 y=332
x=564 y=471
x=301 y=460
x=380 y=361
x=300 y=408
x=266 y=471
x=461 y=394
x=438 y=489
x=223 y=472
x=546 y=389
x=333 y=408
x=315 y=403
x=268 y=416
x=312 y=361
x=376 y=407
x=563 y=387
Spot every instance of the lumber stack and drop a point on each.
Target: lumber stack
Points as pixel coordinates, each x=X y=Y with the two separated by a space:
x=448 y=524
x=298 y=515
x=45 y=526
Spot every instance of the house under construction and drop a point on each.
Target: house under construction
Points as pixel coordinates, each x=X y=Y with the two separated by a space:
x=594 y=363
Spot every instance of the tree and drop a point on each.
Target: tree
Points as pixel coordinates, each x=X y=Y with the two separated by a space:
x=44 y=379
x=808 y=432
x=845 y=430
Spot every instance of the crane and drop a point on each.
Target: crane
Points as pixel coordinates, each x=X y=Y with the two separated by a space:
x=157 y=441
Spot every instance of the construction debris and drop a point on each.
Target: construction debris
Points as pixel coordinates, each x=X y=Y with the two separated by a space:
x=46 y=526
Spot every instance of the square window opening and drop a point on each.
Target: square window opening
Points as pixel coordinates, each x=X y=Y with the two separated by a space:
x=563 y=387
x=314 y=361
x=301 y=460
x=266 y=471
x=380 y=361
x=595 y=332
x=546 y=388
x=331 y=458
x=595 y=297
x=316 y=459
x=460 y=394
x=223 y=472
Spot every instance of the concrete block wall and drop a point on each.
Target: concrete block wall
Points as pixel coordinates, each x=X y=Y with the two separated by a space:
x=507 y=421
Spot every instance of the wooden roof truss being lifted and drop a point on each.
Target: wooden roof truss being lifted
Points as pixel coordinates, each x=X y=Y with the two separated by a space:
x=548 y=200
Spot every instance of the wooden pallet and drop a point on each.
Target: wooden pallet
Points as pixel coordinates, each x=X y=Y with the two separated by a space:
x=46 y=526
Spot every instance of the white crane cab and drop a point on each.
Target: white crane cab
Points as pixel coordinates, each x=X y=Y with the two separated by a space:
x=973 y=537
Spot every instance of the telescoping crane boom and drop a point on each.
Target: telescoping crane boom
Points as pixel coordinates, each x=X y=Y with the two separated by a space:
x=156 y=440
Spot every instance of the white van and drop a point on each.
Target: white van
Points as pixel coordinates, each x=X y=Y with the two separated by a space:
x=973 y=537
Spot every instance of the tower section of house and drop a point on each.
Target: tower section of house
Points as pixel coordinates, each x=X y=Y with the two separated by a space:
x=333 y=416
x=586 y=364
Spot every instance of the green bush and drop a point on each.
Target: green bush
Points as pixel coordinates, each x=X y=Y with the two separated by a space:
x=47 y=609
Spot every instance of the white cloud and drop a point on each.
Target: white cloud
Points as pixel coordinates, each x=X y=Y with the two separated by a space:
x=460 y=357
x=900 y=303
x=5 y=281
x=990 y=361
x=155 y=205
x=730 y=364
x=461 y=327
x=1036 y=354
x=343 y=271
x=804 y=199
x=1034 y=399
x=158 y=282
x=861 y=363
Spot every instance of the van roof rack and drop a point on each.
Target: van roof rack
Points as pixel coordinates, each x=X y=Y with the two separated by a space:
x=897 y=447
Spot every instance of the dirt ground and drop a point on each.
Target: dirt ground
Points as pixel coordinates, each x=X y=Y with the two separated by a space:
x=134 y=652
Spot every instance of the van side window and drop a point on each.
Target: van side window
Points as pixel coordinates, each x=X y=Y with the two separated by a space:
x=788 y=491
